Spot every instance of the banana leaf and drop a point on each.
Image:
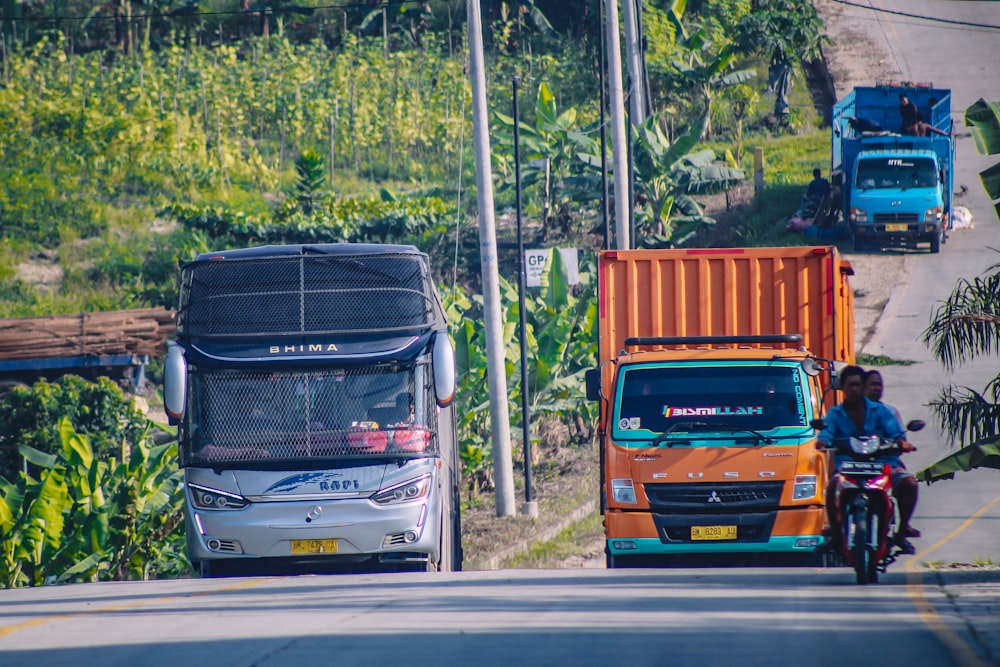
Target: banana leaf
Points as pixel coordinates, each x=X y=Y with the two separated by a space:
x=983 y=119
x=984 y=454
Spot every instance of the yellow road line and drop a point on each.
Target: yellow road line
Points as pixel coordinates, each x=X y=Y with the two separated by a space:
x=963 y=653
x=35 y=622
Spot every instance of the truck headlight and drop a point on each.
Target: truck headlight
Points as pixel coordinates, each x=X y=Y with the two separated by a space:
x=415 y=489
x=932 y=214
x=859 y=215
x=805 y=487
x=205 y=498
x=623 y=491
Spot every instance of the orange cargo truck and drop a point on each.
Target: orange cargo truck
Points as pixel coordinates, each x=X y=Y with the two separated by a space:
x=713 y=362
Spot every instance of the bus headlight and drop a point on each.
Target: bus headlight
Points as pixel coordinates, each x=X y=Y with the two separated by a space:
x=403 y=493
x=205 y=498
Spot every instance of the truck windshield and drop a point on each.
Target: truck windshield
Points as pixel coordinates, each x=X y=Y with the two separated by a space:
x=884 y=172
x=249 y=416
x=759 y=398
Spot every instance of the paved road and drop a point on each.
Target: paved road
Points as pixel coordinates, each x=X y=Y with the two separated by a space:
x=750 y=618
x=960 y=519
x=962 y=59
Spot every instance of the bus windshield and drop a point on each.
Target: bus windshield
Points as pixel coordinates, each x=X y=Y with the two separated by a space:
x=241 y=416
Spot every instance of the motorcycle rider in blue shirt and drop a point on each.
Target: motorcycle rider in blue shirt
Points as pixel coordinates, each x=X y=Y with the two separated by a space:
x=859 y=415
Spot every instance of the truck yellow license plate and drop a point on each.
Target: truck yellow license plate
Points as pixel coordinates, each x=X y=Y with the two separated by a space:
x=314 y=546
x=713 y=532
x=896 y=228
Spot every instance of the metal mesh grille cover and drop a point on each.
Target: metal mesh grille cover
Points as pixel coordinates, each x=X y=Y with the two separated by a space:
x=239 y=417
x=306 y=293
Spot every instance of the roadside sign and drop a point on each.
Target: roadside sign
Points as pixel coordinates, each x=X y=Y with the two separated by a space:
x=536 y=261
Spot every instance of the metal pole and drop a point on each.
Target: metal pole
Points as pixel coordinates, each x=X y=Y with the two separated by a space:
x=604 y=142
x=618 y=137
x=503 y=466
x=530 y=507
x=629 y=157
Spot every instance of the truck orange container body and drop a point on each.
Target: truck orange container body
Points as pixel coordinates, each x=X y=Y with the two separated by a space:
x=713 y=362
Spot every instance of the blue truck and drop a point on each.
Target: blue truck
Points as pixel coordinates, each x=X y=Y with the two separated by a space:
x=895 y=187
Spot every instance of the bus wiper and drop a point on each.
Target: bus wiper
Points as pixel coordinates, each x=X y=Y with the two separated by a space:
x=681 y=427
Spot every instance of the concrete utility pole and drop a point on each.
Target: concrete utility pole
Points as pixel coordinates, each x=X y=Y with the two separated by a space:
x=503 y=462
x=636 y=94
x=618 y=137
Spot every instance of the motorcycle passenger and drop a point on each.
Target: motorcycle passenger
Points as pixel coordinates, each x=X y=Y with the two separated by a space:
x=904 y=484
x=859 y=415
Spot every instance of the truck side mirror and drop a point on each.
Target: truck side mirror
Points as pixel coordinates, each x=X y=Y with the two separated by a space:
x=835 y=369
x=443 y=360
x=837 y=179
x=174 y=383
x=593 y=380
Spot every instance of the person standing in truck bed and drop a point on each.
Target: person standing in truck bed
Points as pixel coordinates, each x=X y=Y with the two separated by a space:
x=909 y=115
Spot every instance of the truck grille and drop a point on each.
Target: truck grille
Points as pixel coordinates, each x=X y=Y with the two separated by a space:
x=727 y=497
x=895 y=217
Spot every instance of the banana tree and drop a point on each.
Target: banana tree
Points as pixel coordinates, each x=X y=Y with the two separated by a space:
x=789 y=32
x=547 y=151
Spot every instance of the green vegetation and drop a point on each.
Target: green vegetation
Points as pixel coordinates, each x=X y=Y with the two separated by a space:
x=865 y=359
x=80 y=517
x=568 y=543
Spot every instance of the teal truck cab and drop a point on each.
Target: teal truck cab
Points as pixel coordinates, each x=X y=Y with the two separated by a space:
x=895 y=187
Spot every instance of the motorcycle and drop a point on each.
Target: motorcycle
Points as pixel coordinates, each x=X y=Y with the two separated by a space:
x=866 y=507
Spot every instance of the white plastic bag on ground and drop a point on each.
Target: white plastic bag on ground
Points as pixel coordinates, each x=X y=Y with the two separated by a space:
x=961 y=218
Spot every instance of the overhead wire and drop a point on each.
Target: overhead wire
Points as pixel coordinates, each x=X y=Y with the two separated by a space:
x=922 y=17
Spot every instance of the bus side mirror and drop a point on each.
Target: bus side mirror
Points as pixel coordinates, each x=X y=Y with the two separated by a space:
x=593 y=380
x=174 y=383
x=443 y=360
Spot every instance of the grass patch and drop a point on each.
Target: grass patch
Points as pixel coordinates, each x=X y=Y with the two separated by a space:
x=865 y=359
x=576 y=540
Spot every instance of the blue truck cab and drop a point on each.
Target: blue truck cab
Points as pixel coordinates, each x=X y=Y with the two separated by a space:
x=895 y=188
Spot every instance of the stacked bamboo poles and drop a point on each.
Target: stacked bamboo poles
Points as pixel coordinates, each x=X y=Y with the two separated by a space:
x=140 y=331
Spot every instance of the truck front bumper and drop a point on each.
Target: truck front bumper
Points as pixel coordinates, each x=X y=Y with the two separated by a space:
x=898 y=233
x=793 y=530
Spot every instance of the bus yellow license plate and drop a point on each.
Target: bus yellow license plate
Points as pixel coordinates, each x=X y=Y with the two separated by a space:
x=713 y=532
x=314 y=546
x=896 y=228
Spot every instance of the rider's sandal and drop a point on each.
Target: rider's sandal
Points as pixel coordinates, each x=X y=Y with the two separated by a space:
x=904 y=545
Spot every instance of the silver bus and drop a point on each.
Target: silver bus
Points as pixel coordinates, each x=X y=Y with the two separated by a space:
x=312 y=388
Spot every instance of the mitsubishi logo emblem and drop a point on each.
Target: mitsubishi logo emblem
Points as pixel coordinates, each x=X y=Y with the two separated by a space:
x=714 y=498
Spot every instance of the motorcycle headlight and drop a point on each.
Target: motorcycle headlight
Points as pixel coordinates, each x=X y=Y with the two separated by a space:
x=406 y=492
x=866 y=445
x=206 y=498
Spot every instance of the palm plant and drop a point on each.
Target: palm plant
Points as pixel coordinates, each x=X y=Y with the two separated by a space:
x=967 y=326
